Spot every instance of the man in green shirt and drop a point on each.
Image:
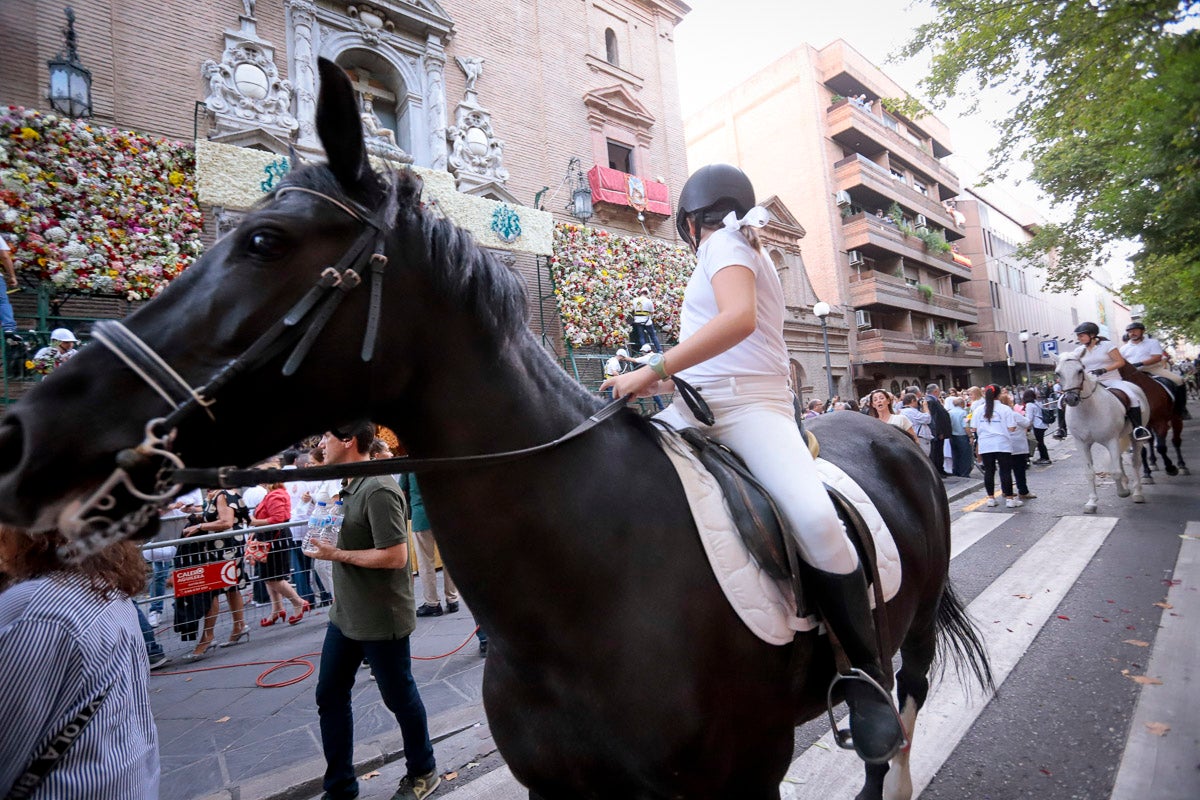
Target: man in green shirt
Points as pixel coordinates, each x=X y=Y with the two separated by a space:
x=372 y=616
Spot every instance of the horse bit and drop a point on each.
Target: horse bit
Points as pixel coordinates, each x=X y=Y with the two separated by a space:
x=90 y=527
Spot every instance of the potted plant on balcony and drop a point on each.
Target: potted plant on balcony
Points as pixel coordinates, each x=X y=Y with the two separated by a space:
x=925 y=290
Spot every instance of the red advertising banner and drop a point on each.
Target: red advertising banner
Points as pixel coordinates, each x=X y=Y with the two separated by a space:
x=205 y=578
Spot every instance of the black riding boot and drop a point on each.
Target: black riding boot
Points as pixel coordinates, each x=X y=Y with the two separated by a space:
x=1181 y=401
x=874 y=725
x=1140 y=433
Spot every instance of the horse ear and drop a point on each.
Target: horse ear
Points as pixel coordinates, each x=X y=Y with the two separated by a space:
x=340 y=126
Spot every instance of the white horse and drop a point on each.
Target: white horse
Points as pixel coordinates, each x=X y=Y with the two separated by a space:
x=1098 y=417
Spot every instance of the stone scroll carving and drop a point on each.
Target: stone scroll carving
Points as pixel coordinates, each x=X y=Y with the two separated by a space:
x=245 y=92
x=476 y=153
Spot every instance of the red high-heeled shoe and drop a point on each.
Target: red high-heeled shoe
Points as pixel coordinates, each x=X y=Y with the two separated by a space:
x=267 y=622
x=304 y=609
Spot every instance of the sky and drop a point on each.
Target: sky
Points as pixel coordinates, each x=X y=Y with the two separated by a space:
x=723 y=42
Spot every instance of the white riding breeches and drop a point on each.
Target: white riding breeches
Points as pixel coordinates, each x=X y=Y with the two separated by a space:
x=755 y=419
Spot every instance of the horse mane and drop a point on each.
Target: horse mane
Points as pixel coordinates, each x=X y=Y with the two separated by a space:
x=457 y=268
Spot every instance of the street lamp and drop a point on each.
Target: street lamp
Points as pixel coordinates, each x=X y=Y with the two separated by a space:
x=822 y=310
x=70 y=81
x=1024 y=337
x=581 y=193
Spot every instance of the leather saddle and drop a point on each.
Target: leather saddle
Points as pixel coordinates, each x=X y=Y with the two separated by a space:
x=762 y=527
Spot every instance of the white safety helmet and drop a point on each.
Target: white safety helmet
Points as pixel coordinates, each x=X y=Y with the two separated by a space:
x=623 y=353
x=62 y=335
x=646 y=348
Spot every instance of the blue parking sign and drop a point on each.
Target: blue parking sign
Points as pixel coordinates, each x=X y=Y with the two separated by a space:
x=1049 y=348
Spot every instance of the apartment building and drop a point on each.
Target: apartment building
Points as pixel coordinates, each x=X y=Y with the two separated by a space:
x=1022 y=326
x=821 y=130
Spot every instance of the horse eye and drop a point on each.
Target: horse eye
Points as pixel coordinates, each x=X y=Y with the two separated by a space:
x=265 y=244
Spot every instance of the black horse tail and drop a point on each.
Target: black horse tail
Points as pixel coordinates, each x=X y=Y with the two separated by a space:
x=958 y=640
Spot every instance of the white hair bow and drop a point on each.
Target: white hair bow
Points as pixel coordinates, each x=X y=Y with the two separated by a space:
x=756 y=217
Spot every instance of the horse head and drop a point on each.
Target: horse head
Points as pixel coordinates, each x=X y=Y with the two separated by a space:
x=67 y=435
x=1074 y=378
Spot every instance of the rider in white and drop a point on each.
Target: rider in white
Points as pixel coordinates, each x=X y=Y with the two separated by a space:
x=1102 y=358
x=1146 y=354
x=731 y=347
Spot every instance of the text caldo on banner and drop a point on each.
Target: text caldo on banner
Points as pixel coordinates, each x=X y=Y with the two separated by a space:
x=205 y=578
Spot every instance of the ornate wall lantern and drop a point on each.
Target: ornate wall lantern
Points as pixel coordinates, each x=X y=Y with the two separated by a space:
x=70 y=81
x=581 y=194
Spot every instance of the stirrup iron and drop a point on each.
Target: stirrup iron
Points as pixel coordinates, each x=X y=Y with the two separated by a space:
x=842 y=736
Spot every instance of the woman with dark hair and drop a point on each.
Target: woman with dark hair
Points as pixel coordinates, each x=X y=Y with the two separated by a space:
x=879 y=406
x=1103 y=358
x=1036 y=414
x=993 y=423
x=224 y=510
x=276 y=569
x=70 y=644
x=731 y=347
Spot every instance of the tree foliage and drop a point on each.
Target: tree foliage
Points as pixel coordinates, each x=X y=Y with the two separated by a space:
x=1108 y=113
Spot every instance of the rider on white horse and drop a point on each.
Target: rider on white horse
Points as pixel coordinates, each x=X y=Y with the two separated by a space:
x=1146 y=354
x=1102 y=358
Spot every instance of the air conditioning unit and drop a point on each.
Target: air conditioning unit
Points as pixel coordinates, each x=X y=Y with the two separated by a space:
x=921 y=222
x=843 y=199
x=862 y=319
x=856 y=258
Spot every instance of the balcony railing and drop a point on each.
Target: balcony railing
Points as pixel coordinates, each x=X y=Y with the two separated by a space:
x=880 y=345
x=859 y=230
x=845 y=115
x=880 y=289
x=858 y=170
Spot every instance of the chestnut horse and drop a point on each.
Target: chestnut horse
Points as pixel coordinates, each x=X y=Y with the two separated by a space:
x=616 y=669
x=1161 y=418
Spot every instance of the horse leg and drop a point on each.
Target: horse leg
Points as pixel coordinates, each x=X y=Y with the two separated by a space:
x=1090 y=506
x=1177 y=440
x=912 y=688
x=1136 y=476
x=1145 y=451
x=1160 y=442
x=1118 y=466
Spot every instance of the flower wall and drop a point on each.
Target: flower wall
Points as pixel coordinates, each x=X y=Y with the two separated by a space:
x=96 y=210
x=597 y=275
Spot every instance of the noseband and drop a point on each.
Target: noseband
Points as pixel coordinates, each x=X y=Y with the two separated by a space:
x=298 y=329
x=1077 y=390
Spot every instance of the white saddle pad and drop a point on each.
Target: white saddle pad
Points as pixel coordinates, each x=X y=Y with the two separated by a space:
x=765 y=605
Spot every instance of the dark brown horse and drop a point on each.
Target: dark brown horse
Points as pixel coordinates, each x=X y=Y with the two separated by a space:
x=1162 y=419
x=616 y=668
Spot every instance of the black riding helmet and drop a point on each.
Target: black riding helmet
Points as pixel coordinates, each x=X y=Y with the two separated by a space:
x=721 y=187
x=1134 y=326
x=1090 y=328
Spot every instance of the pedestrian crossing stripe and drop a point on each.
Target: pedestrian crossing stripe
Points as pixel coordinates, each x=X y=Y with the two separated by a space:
x=1009 y=613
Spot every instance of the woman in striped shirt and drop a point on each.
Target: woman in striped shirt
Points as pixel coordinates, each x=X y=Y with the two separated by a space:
x=70 y=640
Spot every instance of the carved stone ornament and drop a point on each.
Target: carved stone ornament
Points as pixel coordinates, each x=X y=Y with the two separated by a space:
x=476 y=153
x=371 y=23
x=245 y=91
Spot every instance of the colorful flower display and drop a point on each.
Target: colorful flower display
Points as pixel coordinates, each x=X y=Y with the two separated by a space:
x=96 y=210
x=597 y=275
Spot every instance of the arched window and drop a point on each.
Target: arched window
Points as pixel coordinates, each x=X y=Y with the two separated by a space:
x=376 y=79
x=611 y=53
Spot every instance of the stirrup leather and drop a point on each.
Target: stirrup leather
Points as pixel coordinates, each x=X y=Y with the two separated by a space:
x=842 y=735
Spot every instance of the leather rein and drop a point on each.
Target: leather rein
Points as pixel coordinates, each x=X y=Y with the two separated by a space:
x=90 y=527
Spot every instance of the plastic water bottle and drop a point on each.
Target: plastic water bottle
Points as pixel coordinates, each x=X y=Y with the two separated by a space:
x=336 y=515
x=316 y=528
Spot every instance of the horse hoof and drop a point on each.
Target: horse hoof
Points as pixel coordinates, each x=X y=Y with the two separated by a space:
x=1184 y=471
x=1123 y=493
x=1089 y=509
x=1172 y=471
x=1137 y=498
x=1147 y=480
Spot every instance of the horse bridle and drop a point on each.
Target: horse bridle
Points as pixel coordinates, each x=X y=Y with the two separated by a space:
x=1083 y=376
x=298 y=329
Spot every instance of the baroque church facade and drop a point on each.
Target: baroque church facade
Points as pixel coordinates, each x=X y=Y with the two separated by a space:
x=514 y=103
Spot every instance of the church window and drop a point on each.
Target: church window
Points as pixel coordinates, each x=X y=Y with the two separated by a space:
x=611 y=51
x=620 y=157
